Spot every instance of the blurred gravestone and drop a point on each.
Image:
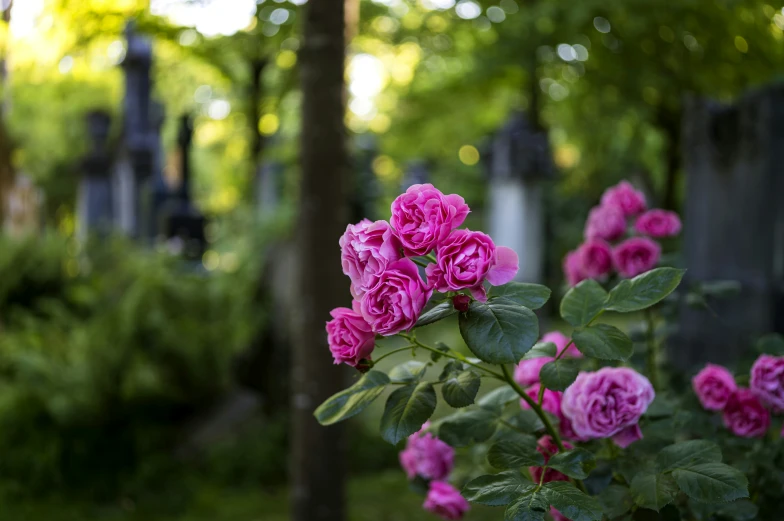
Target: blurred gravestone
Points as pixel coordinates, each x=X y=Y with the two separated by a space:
x=94 y=198
x=519 y=161
x=734 y=224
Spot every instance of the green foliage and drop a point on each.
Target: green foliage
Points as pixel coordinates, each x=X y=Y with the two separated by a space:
x=712 y=482
x=575 y=463
x=653 y=491
x=559 y=374
x=603 y=341
x=500 y=331
x=583 y=303
x=436 y=313
x=532 y=296
x=497 y=489
x=353 y=400
x=406 y=410
x=644 y=290
x=515 y=451
x=460 y=388
x=411 y=371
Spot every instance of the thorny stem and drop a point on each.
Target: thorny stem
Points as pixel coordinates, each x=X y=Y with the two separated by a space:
x=398 y=350
x=455 y=356
x=650 y=336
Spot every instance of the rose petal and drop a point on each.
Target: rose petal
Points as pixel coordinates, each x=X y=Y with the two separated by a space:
x=628 y=436
x=505 y=266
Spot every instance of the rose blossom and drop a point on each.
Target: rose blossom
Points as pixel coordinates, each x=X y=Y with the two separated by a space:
x=713 y=386
x=607 y=403
x=605 y=222
x=573 y=268
x=466 y=259
x=636 y=255
x=745 y=415
x=658 y=223
x=767 y=380
x=366 y=250
x=423 y=217
x=551 y=400
x=624 y=197
x=427 y=456
x=445 y=500
x=547 y=447
x=561 y=341
x=350 y=336
x=527 y=371
x=595 y=257
x=395 y=302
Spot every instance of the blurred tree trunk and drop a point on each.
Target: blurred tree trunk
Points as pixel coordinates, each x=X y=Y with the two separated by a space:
x=6 y=147
x=318 y=454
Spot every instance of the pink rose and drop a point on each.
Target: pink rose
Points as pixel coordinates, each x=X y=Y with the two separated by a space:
x=624 y=197
x=658 y=223
x=557 y=516
x=567 y=431
x=561 y=341
x=596 y=258
x=713 y=386
x=527 y=371
x=636 y=255
x=606 y=402
x=350 y=336
x=767 y=380
x=547 y=447
x=395 y=302
x=551 y=400
x=366 y=250
x=423 y=217
x=427 y=456
x=605 y=222
x=573 y=268
x=445 y=500
x=466 y=259
x=745 y=415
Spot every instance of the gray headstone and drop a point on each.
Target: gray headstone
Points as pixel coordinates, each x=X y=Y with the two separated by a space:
x=94 y=196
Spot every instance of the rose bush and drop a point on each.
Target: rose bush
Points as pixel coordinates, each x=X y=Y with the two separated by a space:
x=569 y=430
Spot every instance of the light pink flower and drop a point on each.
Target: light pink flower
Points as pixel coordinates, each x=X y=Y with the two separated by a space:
x=466 y=259
x=423 y=217
x=547 y=448
x=596 y=258
x=605 y=222
x=713 y=385
x=604 y=403
x=527 y=371
x=567 y=431
x=573 y=268
x=745 y=415
x=636 y=255
x=367 y=248
x=551 y=400
x=445 y=500
x=767 y=380
x=624 y=197
x=561 y=341
x=427 y=456
x=350 y=336
x=396 y=301
x=658 y=223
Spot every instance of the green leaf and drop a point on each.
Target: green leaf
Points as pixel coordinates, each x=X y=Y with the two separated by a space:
x=741 y=510
x=460 y=389
x=644 y=290
x=541 y=350
x=582 y=303
x=712 y=482
x=686 y=454
x=526 y=421
x=603 y=341
x=411 y=371
x=353 y=400
x=571 y=502
x=436 y=313
x=575 y=463
x=616 y=500
x=497 y=489
x=653 y=491
x=559 y=374
x=498 y=398
x=407 y=409
x=499 y=332
x=771 y=344
x=515 y=452
x=532 y=296
x=435 y=356
x=468 y=427
x=532 y=507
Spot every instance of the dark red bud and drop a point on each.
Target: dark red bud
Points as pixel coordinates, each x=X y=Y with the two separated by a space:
x=461 y=302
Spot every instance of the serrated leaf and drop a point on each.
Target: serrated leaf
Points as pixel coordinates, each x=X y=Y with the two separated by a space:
x=468 y=427
x=575 y=463
x=571 y=502
x=438 y=312
x=712 y=482
x=603 y=341
x=542 y=350
x=406 y=410
x=616 y=500
x=514 y=452
x=497 y=489
x=531 y=507
x=497 y=399
x=435 y=356
x=352 y=401
x=532 y=296
x=583 y=302
x=460 y=389
x=499 y=332
x=559 y=374
x=451 y=368
x=644 y=290
x=652 y=490
x=687 y=453
x=411 y=371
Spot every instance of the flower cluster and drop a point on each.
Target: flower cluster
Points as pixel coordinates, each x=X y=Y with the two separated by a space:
x=389 y=292
x=746 y=411
x=610 y=246
x=432 y=460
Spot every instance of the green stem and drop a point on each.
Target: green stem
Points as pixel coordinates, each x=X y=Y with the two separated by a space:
x=652 y=351
x=431 y=258
x=419 y=262
x=458 y=357
x=398 y=350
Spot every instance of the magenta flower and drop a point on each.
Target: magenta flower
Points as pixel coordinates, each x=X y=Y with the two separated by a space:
x=596 y=258
x=573 y=268
x=561 y=341
x=445 y=501
x=423 y=217
x=527 y=371
x=551 y=400
x=658 y=223
x=547 y=448
x=396 y=301
x=466 y=259
x=350 y=337
x=624 y=197
x=745 y=415
x=767 y=380
x=714 y=385
x=427 y=456
x=367 y=248
x=636 y=255
x=607 y=223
